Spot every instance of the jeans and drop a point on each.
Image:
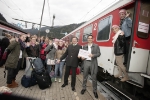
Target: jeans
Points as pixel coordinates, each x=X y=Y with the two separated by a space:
x=59 y=67
x=48 y=66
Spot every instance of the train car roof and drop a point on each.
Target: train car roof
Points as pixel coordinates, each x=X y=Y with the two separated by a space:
x=116 y=5
x=12 y=26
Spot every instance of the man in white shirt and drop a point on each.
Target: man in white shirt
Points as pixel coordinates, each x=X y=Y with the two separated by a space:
x=90 y=64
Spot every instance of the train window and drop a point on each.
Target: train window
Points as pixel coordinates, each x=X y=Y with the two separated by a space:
x=87 y=31
x=77 y=34
x=104 y=28
x=4 y=32
x=144 y=20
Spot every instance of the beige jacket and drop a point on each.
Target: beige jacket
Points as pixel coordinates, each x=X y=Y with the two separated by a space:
x=59 y=53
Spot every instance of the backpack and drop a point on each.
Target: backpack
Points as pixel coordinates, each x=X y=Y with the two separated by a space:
x=38 y=65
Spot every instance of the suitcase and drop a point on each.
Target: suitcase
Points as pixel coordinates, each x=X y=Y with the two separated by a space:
x=43 y=79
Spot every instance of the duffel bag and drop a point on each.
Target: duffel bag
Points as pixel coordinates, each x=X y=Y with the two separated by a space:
x=28 y=81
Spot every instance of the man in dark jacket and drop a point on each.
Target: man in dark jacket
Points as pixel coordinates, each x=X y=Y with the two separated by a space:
x=72 y=62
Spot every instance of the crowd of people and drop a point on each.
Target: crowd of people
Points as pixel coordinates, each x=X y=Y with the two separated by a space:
x=26 y=46
x=54 y=53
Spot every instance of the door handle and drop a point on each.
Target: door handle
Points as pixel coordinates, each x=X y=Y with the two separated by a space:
x=135 y=43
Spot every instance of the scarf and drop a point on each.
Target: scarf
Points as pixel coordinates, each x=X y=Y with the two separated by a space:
x=60 y=47
x=22 y=44
x=116 y=36
x=55 y=45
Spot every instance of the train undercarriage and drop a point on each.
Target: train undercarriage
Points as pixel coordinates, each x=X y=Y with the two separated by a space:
x=124 y=90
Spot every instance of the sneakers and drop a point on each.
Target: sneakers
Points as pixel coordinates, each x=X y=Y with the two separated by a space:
x=59 y=80
x=55 y=79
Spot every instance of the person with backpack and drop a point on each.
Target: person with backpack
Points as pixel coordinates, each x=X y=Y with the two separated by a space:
x=15 y=60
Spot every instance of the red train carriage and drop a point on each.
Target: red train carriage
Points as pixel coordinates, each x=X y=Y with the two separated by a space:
x=138 y=64
x=11 y=29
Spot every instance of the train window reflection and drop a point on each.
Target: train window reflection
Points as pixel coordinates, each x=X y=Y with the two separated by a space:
x=104 y=28
x=87 y=31
x=77 y=34
x=143 y=27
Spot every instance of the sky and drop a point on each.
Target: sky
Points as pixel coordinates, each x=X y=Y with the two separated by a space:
x=66 y=11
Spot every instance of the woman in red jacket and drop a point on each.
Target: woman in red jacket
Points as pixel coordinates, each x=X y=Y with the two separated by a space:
x=43 y=46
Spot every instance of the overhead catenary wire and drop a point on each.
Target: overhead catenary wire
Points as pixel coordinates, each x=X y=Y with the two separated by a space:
x=108 y=5
x=19 y=8
x=90 y=10
x=10 y=8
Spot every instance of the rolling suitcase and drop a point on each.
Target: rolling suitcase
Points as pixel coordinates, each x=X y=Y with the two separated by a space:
x=42 y=77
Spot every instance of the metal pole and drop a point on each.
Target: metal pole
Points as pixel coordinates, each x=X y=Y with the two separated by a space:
x=41 y=19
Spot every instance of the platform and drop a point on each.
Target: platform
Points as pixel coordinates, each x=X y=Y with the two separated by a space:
x=55 y=92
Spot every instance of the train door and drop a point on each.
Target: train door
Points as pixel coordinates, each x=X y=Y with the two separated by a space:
x=139 y=54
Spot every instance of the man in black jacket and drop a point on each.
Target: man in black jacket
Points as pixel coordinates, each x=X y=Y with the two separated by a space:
x=72 y=62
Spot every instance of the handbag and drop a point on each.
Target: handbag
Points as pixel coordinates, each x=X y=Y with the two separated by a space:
x=50 y=62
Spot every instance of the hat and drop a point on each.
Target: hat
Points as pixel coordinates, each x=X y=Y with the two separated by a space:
x=115 y=26
x=56 y=40
x=122 y=11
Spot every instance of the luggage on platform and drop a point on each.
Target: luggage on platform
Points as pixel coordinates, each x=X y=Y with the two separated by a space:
x=28 y=81
x=28 y=69
x=41 y=75
x=43 y=79
x=38 y=65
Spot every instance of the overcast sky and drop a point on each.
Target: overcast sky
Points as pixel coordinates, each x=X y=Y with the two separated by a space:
x=66 y=11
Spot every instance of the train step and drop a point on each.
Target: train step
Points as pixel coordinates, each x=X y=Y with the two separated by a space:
x=146 y=76
x=116 y=88
x=134 y=83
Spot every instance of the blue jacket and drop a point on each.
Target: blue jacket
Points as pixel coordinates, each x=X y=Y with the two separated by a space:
x=127 y=26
